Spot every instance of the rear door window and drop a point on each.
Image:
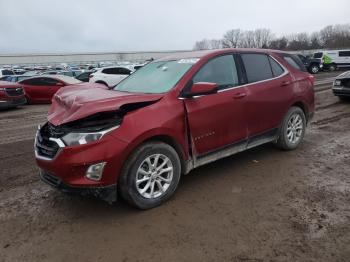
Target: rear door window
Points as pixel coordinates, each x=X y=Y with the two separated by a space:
x=257 y=67
x=220 y=70
x=123 y=71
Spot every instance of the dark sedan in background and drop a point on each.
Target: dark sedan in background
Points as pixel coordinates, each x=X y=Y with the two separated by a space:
x=341 y=86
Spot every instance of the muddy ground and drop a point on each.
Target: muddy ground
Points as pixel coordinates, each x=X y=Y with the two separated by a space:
x=260 y=205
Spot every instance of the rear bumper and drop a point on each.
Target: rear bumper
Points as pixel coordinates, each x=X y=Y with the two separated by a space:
x=12 y=102
x=106 y=193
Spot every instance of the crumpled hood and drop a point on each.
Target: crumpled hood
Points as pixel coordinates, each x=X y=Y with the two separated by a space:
x=78 y=101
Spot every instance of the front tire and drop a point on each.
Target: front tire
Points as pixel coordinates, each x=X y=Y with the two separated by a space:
x=314 y=69
x=150 y=175
x=292 y=130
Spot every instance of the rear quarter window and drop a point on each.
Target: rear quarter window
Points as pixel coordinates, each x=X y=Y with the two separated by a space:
x=277 y=70
x=294 y=61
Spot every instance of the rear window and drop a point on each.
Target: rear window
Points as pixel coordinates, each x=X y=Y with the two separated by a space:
x=257 y=67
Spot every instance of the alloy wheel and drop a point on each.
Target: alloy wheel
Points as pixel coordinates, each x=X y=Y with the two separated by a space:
x=295 y=128
x=154 y=176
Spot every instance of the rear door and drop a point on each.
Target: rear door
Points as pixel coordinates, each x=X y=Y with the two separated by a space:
x=217 y=120
x=268 y=93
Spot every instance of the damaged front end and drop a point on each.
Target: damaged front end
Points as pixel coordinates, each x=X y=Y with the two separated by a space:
x=51 y=140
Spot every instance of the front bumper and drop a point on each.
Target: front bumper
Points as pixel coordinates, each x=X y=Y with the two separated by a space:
x=67 y=168
x=13 y=102
x=341 y=91
x=106 y=193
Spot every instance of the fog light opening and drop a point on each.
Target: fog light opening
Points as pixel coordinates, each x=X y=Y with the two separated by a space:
x=94 y=172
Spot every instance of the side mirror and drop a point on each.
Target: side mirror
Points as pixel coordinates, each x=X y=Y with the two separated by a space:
x=203 y=88
x=59 y=84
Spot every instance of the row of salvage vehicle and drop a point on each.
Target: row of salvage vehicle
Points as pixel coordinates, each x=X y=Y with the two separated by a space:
x=35 y=87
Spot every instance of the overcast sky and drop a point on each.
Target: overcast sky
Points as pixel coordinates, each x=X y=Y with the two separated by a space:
x=135 y=25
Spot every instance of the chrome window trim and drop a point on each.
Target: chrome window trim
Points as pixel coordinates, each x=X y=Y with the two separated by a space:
x=285 y=72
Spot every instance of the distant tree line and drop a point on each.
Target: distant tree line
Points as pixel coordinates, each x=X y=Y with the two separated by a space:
x=332 y=37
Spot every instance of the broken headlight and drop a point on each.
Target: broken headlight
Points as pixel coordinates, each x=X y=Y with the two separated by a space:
x=73 y=139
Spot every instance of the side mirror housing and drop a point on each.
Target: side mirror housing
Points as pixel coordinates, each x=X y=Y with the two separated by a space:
x=202 y=88
x=59 y=84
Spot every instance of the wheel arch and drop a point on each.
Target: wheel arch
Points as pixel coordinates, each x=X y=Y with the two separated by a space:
x=171 y=142
x=303 y=107
x=101 y=82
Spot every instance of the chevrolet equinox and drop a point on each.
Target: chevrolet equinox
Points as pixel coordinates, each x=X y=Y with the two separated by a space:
x=169 y=117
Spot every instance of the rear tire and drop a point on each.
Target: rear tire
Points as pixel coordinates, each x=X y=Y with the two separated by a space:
x=332 y=67
x=150 y=175
x=292 y=130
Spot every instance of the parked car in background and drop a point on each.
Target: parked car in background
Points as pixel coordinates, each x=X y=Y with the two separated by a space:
x=6 y=72
x=11 y=95
x=110 y=76
x=31 y=73
x=341 y=86
x=171 y=116
x=40 y=89
x=19 y=71
x=13 y=78
x=51 y=72
x=85 y=76
x=333 y=59
x=72 y=73
x=313 y=65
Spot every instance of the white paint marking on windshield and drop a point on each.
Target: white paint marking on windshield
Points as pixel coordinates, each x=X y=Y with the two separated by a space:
x=188 y=61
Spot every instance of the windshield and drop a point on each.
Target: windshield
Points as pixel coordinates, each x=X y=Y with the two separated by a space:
x=157 y=77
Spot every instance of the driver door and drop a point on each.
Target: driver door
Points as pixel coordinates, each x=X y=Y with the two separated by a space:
x=217 y=121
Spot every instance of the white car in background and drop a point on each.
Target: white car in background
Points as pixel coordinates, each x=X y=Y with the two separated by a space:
x=110 y=76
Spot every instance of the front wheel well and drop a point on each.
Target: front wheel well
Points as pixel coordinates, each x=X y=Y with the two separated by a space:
x=174 y=144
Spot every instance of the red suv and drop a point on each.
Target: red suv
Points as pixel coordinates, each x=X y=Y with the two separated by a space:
x=11 y=95
x=171 y=116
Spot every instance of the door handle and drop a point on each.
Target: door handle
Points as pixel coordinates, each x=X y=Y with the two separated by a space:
x=285 y=83
x=239 y=95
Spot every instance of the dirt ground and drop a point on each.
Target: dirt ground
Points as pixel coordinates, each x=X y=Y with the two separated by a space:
x=259 y=205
